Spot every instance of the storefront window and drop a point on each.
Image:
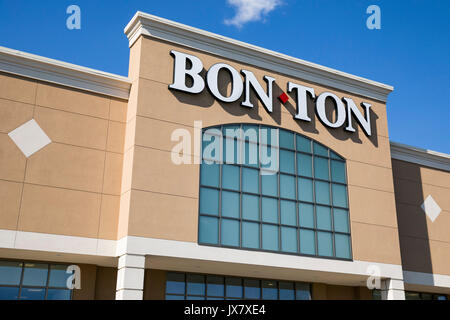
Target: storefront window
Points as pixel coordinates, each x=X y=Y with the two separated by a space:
x=409 y=295
x=270 y=189
x=182 y=286
x=33 y=281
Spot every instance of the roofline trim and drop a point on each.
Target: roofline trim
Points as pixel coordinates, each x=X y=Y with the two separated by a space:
x=63 y=73
x=420 y=156
x=160 y=28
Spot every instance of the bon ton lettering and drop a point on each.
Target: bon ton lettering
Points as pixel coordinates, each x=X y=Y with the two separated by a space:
x=189 y=66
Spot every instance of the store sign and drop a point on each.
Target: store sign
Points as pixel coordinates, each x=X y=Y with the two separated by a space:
x=189 y=66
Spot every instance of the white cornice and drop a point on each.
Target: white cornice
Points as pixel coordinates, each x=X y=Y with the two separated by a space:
x=424 y=157
x=152 y=26
x=66 y=74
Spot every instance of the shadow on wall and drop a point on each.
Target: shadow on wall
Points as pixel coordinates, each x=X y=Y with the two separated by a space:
x=412 y=221
x=205 y=99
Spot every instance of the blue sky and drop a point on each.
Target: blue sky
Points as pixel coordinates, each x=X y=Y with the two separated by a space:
x=411 y=51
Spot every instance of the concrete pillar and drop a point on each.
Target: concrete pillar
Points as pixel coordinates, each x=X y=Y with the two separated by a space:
x=130 y=277
x=392 y=289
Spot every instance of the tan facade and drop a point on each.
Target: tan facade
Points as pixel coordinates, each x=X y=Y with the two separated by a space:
x=156 y=183
x=425 y=244
x=72 y=187
x=106 y=195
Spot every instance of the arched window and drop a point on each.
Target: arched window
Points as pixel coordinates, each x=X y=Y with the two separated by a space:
x=270 y=189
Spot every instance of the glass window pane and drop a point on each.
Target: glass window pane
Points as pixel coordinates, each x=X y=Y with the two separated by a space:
x=230 y=232
x=35 y=274
x=339 y=195
x=194 y=298
x=252 y=289
x=412 y=296
x=233 y=287
x=172 y=297
x=250 y=133
x=320 y=150
x=250 y=207
x=426 y=296
x=305 y=189
x=215 y=286
x=342 y=243
x=232 y=130
x=32 y=294
x=324 y=244
x=209 y=201
x=269 y=290
x=10 y=272
x=287 y=162
x=321 y=170
x=231 y=151
x=289 y=239
x=307 y=242
x=9 y=293
x=323 y=218
x=210 y=175
x=286 y=291
x=59 y=276
x=251 y=156
x=250 y=180
x=270 y=237
x=322 y=192
x=230 y=177
x=341 y=220
x=211 y=147
x=269 y=210
x=269 y=136
x=287 y=186
x=303 y=144
x=302 y=291
x=335 y=156
x=195 y=284
x=230 y=204
x=175 y=283
x=58 y=294
x=269 y=183
x=304 y=165
x=250 y=235
x=269 y=156
x=288 y=213
x=208 y=230
x=286 y=139
x=306 y=215
x=338 y=171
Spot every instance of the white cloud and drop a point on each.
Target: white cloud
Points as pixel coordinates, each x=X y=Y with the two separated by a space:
x=250 y=10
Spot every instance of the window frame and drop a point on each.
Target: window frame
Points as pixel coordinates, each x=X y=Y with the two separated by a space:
x=242 y=285
x=47 y=287
x=296 y=175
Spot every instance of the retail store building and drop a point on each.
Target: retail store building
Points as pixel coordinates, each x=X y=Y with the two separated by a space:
x=121 y=177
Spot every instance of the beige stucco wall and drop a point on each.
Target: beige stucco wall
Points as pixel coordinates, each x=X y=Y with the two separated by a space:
x=425 y=245
x=71 y=186
x=160 y=199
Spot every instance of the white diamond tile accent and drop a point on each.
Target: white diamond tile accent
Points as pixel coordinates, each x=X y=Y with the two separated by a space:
x=29 y=138
x=431 y=208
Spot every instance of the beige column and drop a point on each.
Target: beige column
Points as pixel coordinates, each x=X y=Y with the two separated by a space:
x=392 y=289
x=130 y=277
